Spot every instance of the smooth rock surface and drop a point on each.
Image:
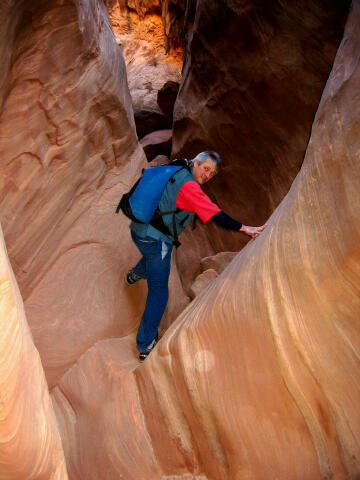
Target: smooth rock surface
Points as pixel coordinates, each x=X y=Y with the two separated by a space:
x=159 y=160
x=157 y=143
x=66 y=136
x=166 y=98
x=147 y=121
x=202 y=281
x=217 y=262
x=259 y=376
x=30 y=444
x=252 y=79
x=68 y=152
x=210 y=268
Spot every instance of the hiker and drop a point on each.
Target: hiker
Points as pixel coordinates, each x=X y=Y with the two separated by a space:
x=183 y=195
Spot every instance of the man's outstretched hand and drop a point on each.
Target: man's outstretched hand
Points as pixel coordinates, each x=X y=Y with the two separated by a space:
x=252 y=231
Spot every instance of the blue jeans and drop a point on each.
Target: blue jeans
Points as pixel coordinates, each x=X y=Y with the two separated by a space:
x=154 y=266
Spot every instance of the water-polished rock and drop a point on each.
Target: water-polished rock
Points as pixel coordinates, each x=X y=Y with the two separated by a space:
x=148 y=121
x=202 y=281
x=157 y=143
x=69 y=150
x=252 y=79
x=30 y=444
x=166 y=98
x=259 y=377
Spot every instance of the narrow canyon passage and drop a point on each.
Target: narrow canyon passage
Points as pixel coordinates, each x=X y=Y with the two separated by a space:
x=257 y=377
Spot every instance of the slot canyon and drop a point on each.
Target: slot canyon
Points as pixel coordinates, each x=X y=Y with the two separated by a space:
x=256 y=373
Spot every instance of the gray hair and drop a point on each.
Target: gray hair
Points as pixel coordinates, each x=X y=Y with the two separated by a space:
x=203 y=156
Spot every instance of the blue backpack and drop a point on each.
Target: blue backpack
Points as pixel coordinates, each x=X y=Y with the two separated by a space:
x=140 y=204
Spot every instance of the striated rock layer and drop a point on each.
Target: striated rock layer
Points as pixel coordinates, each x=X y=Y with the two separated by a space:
x=150 y=64
x=65 y=124
x=259 y=377
x=252 y=80
x=157 y=143
x=68 y=150
x=66 y=135
x=30 y=445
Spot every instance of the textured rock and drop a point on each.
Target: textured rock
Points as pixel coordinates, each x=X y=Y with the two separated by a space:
x=217 y=262
x=174 y=21
x=210 y=268
x=157 y=143
x=252 y=80
x=62 y=102
x=30 y=445
x=148 y=121
x=139 y=27
x=202 y=281
x=68 y=150
x=159 y=160
x=166 y=98
x=62 y=161
x=8 y=25
x=259 y=377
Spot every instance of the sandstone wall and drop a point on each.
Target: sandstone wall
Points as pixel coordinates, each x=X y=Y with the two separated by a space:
x=68 y=151
x=30 y=445
x=63 y=95
x=259 y=377
x=252 y=79
x=141 y=34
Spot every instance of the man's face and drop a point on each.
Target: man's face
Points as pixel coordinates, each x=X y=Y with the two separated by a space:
x=204 y=172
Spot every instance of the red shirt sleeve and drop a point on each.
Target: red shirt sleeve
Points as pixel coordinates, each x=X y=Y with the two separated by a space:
x=193 y=199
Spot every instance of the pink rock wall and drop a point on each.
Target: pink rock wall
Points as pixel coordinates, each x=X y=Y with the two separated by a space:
x=68 y=151
x=30 y=444
x=252 y=80
x=54 y=90
x=66 y=138
x=259 y=377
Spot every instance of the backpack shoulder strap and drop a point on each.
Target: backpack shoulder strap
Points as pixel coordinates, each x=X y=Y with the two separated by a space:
x=182 y=162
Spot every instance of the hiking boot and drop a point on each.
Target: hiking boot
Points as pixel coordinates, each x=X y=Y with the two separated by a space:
x=145 y=353
x=131 y=278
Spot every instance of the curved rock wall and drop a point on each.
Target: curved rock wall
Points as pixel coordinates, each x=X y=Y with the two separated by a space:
x=63 y=119
x=68 y=150
x=252 y=80
x=259 y=377
x=267 y=360
x=140 y=32
x=30 y=445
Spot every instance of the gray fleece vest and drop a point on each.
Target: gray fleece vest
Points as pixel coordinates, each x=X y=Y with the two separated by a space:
x=168 y=203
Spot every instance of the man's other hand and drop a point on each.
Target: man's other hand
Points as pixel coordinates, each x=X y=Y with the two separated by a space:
x=252 y=231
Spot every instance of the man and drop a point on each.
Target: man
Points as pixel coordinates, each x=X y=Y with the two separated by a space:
x=184 y=193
